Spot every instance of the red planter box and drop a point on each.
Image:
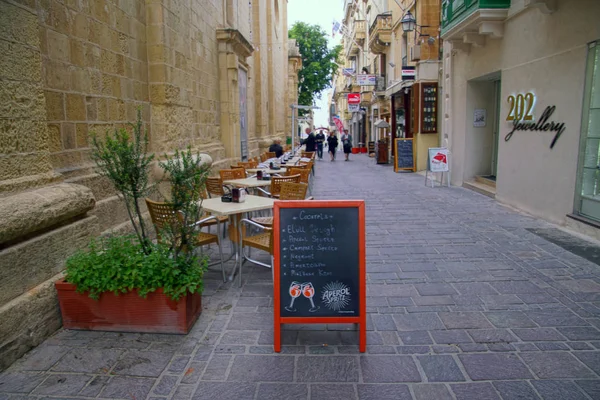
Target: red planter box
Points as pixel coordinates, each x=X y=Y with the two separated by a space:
x=355 y=150
x=363 y=149
x=127 y=312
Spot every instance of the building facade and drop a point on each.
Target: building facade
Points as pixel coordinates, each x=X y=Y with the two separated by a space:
x=213 y=75
x=406 y=65
x=521 y=104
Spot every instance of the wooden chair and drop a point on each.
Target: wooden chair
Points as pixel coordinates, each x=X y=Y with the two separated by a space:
x=165 y=216
x=248 y=164
x=271 y=154
x=276 y=182
x=263 y=240
x=214 y=186
x=308 y=154
x=234 y=173
x=263 y=157
x=223 y=219
x=303 y=172
x=289 y=191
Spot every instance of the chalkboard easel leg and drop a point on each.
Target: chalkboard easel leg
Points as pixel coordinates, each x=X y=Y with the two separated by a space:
x=362 y=336
x=277 y=337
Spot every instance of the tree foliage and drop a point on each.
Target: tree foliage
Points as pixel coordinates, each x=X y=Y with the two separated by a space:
x=318 y=61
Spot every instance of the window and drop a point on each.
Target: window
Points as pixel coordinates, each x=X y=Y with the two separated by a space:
x=587 y=199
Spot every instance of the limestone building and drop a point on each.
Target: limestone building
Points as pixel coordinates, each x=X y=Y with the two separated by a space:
x=404 y=64
x=211 y=74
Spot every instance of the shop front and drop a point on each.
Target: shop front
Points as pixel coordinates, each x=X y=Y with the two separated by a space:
x=522 y=105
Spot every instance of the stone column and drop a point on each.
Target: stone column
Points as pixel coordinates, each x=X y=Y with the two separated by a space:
x=294 y=65
x=42 y=221
x=233 y=49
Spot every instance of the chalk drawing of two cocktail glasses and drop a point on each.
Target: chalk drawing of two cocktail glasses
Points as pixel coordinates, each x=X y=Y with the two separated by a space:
x=306 y=289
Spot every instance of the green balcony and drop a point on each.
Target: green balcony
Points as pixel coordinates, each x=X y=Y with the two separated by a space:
x=471 y=21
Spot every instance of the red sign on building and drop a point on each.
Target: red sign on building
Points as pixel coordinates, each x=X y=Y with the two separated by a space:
x=353 y=98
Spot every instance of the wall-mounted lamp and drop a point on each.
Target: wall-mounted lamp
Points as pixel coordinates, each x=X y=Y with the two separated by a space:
x=409 y=24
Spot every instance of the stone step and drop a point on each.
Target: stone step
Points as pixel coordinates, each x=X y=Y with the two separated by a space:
x=481 y=188
x=485 y=181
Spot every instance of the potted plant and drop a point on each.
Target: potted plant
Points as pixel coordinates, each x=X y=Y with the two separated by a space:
x=128 y=283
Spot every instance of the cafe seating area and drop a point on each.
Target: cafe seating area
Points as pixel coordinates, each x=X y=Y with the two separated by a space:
x=239 y=201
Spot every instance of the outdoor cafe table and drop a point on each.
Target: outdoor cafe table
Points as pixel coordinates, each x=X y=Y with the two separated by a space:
x=235 y=211
x=266 y=170
x=247 y=182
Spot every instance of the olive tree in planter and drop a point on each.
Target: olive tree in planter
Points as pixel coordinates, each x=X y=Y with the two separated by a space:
x=128 y=283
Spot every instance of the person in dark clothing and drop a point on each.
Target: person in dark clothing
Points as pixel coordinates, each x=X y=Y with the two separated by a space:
x=276 y=148
x=332 y=142
x=310 y=141
x=347 y=143
x=320 y=139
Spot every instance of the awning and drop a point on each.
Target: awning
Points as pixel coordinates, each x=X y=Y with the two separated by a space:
x=382 y=123
x=396 y=87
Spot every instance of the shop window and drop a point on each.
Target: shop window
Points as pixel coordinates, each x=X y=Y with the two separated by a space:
x=588 y=183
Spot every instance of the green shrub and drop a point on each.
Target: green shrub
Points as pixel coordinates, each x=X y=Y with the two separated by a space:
x=119 y=264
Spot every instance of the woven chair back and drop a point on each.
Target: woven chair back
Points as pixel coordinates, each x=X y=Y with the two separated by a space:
x=276 y=182
x=303 y=172
x=214 y=186
x=293 y=191
x=234 y=173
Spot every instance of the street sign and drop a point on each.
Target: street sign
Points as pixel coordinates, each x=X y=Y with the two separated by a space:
x=353 y=98
x=353 y=107
x=408 y=73
x=366 y=80
x=348 y=72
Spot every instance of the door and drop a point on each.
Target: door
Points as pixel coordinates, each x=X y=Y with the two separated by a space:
x=587 y=196
x=243 y=82
x=496 y=133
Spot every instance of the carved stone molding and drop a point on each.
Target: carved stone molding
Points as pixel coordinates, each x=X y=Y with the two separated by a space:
x=545 y=6
x=232 y=40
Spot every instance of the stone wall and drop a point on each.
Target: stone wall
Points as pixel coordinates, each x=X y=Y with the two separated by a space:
x=70 y=68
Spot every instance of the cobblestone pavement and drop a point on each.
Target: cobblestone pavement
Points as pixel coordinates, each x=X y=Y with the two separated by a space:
x=463 y=302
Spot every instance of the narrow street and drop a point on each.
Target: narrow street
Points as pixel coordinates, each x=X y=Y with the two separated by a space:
x=464 y=301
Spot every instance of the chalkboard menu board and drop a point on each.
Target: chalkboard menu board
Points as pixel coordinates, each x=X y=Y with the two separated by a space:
x=405 y=155
x=319 y=267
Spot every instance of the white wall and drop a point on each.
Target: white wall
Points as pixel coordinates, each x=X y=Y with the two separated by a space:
x=540 y=53
x=479 y=140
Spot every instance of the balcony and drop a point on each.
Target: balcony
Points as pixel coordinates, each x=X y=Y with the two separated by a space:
x=470 y=22
x=380 y=34
x=358 y=37
x=366 y=96
x=360 y=31
x=380 y=86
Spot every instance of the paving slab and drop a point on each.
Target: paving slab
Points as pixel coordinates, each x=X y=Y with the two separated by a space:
x=464 y=302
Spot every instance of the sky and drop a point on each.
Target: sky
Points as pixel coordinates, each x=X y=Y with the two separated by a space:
x=323 y=13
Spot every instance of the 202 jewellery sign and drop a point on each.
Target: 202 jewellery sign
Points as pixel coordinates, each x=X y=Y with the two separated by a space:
x=521 y=107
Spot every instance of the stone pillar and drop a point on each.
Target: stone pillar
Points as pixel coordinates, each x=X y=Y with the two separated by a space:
x=24 y=147
x=233 y=49
x=294 y=65
x=42 y=222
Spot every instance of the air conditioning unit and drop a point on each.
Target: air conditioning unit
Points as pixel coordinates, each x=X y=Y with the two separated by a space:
x=415 y=52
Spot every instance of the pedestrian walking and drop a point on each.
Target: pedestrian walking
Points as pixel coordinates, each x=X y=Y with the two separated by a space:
x=332 y=142
x=347 y=144
x=310 y=142
x=320 y=139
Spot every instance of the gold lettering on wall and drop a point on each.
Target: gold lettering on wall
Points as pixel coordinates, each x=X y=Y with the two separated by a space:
x=521 y=107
